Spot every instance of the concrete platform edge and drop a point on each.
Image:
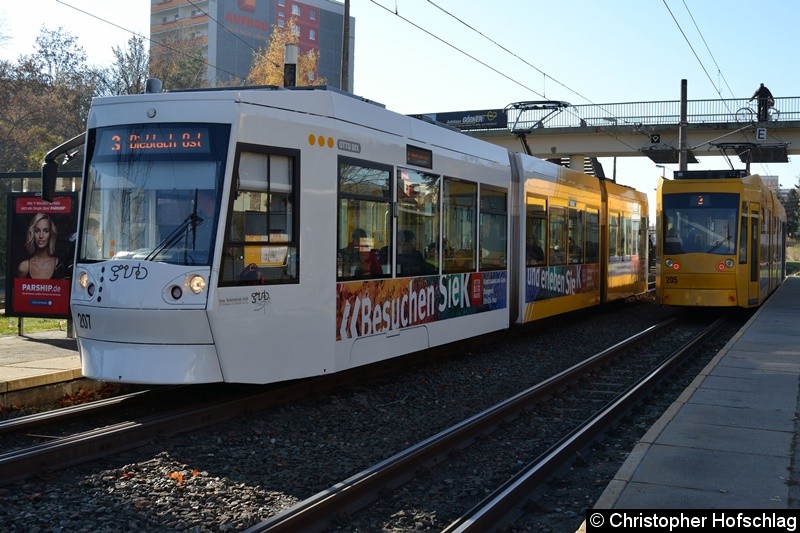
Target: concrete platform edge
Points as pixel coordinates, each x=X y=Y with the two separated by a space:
x=611 y=494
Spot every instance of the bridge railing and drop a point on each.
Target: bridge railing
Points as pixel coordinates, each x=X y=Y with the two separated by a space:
x=650 y=113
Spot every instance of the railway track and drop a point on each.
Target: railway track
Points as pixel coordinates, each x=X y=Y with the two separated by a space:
x=256 y=466
x=75 y=435
x=42 y=443
x=607 y=394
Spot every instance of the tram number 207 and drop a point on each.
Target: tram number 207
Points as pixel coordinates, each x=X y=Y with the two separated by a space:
x=671 y=280
x=85 y=321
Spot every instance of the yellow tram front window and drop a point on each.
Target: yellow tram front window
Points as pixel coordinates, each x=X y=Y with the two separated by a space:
x=700 y=223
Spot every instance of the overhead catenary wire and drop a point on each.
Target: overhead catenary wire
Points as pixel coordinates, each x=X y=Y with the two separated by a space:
x=395 y=12
x=688 y=42
x=544 y=74
x=719 y=70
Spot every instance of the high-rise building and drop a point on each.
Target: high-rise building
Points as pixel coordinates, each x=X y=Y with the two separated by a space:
x=229 y=31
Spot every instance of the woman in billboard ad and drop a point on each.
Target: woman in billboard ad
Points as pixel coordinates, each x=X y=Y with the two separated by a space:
x=42 y=244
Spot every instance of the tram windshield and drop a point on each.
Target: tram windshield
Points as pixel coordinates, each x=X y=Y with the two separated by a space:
x=152 y=192
x=700 y=223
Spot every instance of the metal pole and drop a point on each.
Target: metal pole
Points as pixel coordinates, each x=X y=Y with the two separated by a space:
x=345 y=83
x=683 y=134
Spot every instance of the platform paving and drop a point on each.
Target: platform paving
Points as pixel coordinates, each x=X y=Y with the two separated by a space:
x=731 y=440
x=34 y=361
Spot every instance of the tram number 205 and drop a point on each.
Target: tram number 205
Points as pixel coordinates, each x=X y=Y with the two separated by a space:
x=85 y=321
x=673 y=280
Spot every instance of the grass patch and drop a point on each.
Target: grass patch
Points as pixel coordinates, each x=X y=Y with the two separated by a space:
x=8 y=325
x=792 y=251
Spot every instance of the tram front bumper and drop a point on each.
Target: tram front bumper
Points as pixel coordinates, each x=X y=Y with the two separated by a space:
x=146 y=346
x=699 y=297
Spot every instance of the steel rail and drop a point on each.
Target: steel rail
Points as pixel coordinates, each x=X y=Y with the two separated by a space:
x=61 y=414
x=496 y=508
x=67 y=451
x=316 y=512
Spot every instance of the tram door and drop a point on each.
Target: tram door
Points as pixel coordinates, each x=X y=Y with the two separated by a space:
x=753 y=287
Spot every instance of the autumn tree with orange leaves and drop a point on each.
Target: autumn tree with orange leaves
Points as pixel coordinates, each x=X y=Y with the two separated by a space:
x=268 y=63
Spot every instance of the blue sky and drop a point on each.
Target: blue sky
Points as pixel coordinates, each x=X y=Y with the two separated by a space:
x=446 y=55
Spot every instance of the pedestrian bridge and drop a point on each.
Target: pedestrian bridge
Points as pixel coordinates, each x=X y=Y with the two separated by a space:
x=559 y=130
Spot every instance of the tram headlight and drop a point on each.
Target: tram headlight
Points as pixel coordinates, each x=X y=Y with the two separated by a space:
x=83 y=280
x=668 y=262
x=197 y=284
x=729 y=263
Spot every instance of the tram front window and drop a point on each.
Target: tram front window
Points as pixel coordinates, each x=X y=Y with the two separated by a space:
x=700 y=223
x=159 y=205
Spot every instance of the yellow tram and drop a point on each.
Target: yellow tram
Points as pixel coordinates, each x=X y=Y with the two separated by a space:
x=720 y=240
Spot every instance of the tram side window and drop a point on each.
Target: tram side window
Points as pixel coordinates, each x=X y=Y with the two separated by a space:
x=614 y=249
x=535 y=230
x=459 y=216
x=261 y=241
x=557 y=242
x=494 y=228
x=754 y=261
x=764 y=247
x=592 y=236
x=743 y=236
x=626 y=237
x=417 y=222
x=575 y=238
x=364 y=224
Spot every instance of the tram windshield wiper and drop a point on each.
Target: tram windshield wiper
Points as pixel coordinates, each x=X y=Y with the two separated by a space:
x=720 y=243
x=193 y=220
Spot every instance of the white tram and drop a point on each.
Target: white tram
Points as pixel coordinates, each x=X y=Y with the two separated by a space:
x=265 y=235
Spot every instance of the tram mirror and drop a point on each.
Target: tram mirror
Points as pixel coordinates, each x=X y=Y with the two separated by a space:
x=49 y=175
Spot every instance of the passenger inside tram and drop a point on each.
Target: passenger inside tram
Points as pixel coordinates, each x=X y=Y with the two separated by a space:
x=358 y=258
x=410 y=261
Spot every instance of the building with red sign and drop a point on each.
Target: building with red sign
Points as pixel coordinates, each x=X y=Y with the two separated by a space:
x=229 y=31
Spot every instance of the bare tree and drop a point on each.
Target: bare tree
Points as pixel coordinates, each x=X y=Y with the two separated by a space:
x=177 y=59
x=128 y=73
x=46 y=98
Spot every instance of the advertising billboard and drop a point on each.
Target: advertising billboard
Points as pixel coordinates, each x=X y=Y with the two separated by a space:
x=40 y=251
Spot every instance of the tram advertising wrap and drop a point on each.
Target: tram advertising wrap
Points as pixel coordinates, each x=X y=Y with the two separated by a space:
x=372 y=307
x=41 y=252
